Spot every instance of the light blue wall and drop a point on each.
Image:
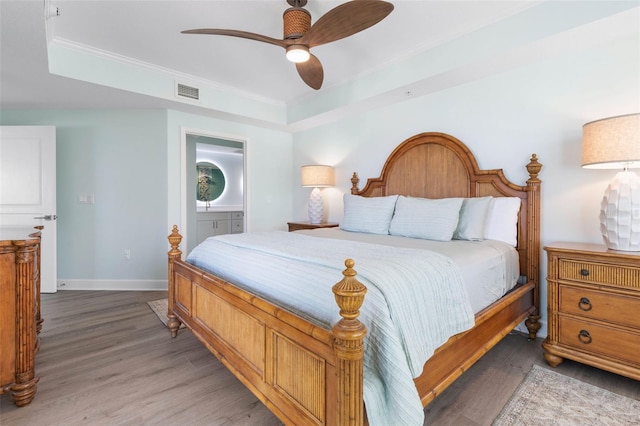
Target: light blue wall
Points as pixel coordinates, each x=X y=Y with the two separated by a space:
x=130 y=161
x=120 y=157
x=520 y=96
x=504 y=118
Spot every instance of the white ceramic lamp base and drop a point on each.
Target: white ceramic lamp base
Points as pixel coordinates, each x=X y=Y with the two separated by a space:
x=315 y=209
x=620 y=213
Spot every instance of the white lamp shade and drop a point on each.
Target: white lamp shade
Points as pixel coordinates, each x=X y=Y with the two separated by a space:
x=612 y=143
x=318 y=176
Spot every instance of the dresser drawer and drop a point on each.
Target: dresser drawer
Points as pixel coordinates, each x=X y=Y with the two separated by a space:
x=599 y=273
x=609 y=307
x=237 y=227
x=599 y=339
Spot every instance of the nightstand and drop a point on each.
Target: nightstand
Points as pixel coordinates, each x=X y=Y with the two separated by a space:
x=594 y=307
x=296 y=226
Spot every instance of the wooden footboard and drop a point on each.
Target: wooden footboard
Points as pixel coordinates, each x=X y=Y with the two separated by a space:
x=303 y=373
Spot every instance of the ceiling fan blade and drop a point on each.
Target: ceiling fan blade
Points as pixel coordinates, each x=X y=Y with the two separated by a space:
x=311 y=72
x=237 y=33
x=345 y=20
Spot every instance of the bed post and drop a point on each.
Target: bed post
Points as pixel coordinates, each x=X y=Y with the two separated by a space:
x=354 y=183
x=174 y=254
x=349 y=335
x=533 y=241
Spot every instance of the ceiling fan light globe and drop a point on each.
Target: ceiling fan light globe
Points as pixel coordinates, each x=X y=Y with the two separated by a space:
x=298 y=53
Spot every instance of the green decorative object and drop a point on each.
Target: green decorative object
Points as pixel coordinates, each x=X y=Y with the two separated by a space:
x=210 y=183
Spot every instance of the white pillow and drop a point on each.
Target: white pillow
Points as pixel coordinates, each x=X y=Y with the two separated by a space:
x=502 y=221
x=371 y=215
x=426 y=218
x=473 y=217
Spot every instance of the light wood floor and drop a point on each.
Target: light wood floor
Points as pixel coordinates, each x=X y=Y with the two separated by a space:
x=106 y=359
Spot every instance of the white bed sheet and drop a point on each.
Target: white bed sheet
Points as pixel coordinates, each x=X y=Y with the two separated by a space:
x=489 y=268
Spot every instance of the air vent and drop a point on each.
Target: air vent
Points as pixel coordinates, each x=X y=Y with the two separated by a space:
x=185 y=91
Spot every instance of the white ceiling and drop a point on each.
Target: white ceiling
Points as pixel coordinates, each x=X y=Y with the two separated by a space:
x=149 y=31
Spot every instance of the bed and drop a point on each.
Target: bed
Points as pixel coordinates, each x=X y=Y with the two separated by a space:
x=308 y=373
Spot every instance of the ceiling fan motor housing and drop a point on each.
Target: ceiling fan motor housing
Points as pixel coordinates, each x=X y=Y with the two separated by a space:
x=297 y=22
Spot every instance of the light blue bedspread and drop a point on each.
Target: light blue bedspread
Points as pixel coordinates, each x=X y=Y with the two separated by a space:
x=415 y=302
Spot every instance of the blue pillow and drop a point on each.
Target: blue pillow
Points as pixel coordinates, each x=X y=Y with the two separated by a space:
x=370 y=215
x=429 y=219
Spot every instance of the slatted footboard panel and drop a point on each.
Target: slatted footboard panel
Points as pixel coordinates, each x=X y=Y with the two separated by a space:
x=262 y=345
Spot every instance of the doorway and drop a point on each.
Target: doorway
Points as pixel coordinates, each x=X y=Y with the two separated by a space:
x=213 y=186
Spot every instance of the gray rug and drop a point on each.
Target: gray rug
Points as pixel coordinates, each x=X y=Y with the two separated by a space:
x=160 y=308
x=548 y=398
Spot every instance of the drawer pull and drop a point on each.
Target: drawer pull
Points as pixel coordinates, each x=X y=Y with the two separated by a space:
x=585 y=304
x=584 y=272
x=585 y=337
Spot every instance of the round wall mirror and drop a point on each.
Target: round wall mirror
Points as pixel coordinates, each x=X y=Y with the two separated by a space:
x=211 y=181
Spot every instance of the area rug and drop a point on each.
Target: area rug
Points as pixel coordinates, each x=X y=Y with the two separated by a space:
x=549 y=398
x=160 y=308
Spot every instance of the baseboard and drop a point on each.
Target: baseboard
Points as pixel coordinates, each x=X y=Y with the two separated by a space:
x=113 y=285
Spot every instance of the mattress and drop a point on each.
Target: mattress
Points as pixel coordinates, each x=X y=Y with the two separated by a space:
x=489 y=268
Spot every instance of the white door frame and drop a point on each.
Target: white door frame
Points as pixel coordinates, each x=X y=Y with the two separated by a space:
x=184 y=131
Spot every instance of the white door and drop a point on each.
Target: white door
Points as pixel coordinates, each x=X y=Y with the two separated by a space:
x=28 y=188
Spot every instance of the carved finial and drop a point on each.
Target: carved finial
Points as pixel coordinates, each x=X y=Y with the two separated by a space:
x=534 y=167
x=174 y=241
x=349 y=292
x=354 y=183
x=349 y=335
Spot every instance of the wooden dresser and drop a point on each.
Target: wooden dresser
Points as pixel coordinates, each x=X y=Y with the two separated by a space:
x=19 y=311
x=594 y=307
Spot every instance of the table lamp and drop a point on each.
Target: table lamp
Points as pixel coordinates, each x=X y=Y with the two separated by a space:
x=317 y=177
x=614 y=143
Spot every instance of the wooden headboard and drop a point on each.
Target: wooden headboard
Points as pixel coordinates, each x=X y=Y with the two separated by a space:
x=437 y=165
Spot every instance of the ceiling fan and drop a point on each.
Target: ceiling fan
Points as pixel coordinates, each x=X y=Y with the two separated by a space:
x=299 y=35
